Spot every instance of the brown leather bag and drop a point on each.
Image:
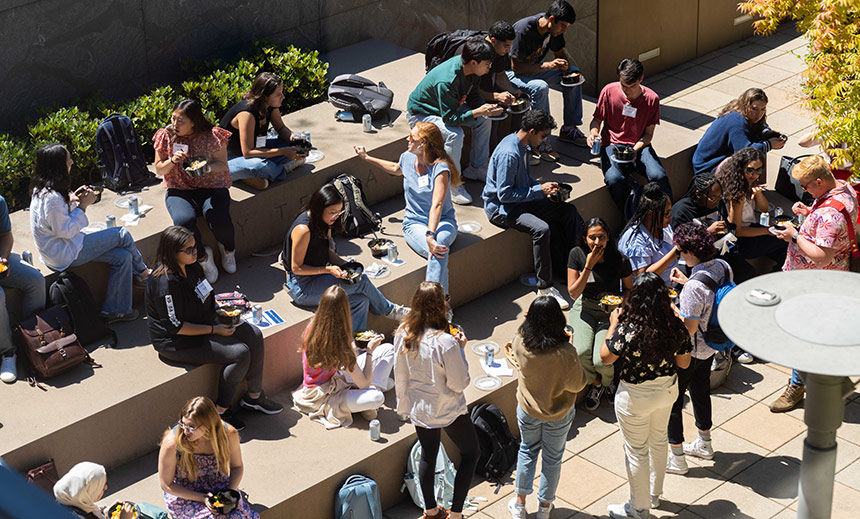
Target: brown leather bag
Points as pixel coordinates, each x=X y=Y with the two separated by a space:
x=44 y=476
x=50 y=346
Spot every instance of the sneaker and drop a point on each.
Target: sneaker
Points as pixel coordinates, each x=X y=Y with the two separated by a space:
x=592 y=398
x=140 y=279
x=655 y=501
x=610 y=393
x=398 y=312
x=700 y=449
x=209 y=268
x=9 y=369
x=117 y=317
x=290 y=166
x=230 y=417
x=517 y=510
x=262 y=403
x=474 y=173
x=574 y=136
x=677 y=465
x=228 y=260
x=460 y=196
x=625 y=511
x=259 y=184
x=449 y=314
x=553 y=292
x=369 y=414
x=547 y=153
x=789 y=399
x=544 y=511
x=745 y=358
x=534 y=159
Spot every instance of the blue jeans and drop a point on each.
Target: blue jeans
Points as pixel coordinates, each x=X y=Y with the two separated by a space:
x=271 y=168
x=479 y=156
x=116 y=247
x=540 y=435
x=537 y=87
x=795 y=379
x=615 y=175
x=31 y=283
x=364 y=297
x=446 y=233
x=185 y=205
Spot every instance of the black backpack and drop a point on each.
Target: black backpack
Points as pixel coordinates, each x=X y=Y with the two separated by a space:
x=357 y=218
x=121 y=160
x=787 y=185
x=360 y=95
x=72 y=292
x=498 y=446
x=446 y=45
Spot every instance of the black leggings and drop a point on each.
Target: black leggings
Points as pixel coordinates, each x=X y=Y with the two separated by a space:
x=241 y=354
x=185 y=205
x=698 y=378
x=462 y=433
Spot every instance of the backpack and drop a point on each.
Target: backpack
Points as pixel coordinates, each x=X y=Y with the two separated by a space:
x=498 y=446
x=714 y=336
x=121 y=160
x=360 y=95
x=787 y=185
x=721 y=364
x=446 y=45
x=357 y=218
x=443 y=482
x=72 y=292
x=358 y=498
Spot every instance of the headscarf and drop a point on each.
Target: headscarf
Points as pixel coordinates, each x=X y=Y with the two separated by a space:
x=81 y=487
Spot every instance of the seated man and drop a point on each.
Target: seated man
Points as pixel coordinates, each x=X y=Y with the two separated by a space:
x=512 y=198
x=535 y=35
x=448 y=97
x=629 y=113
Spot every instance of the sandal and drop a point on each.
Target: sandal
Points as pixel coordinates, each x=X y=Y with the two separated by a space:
x=441 y=513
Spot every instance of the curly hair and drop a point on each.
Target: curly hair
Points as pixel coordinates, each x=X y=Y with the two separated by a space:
x=742 y=104
x=732 y=177
x=543 y=327
x=428 y=312
x=434 y=149
x=695 y=238
x=648 y=313
x=650 y=208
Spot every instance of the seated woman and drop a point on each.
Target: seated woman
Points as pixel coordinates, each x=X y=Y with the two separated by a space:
x=190 y=193
x=332 y=364
x=57 y=218
x=81 y=487
x=595 y=269
x=431 y=373
x=180 y=305
x=741 y=123
x=427 y=170
x=647 y=238
x=700 y=202
x=253 y=157
x=313 y=266
x=199 y=457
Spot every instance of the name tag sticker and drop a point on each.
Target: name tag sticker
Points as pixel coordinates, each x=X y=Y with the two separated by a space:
x=424 y=181
x=203 y=289
x=628 y=111
x=261 y=142
x=177 y=147
x=590 y=277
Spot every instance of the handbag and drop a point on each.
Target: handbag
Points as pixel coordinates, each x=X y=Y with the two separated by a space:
x=44 y=476
x=48 y=345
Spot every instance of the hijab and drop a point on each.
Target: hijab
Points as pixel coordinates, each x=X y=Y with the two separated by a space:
x=81 y=487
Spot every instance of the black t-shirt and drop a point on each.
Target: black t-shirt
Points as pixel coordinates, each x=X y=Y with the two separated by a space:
x=607 y=274
x=171 y=301
x=530 y=45
x=500 y=64
x=685 y=210
x=261 y=126
x=317 y=254
x=629 y=367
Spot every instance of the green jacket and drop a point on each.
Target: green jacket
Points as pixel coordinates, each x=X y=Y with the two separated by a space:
x=443 y=90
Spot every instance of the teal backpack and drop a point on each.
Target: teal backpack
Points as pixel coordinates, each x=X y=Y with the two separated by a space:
x=443 y=486
x=358 y=498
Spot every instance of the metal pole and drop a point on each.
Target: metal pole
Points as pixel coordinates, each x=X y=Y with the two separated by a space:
x=825 y=409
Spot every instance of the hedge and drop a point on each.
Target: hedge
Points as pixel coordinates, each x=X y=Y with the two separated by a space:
x=217 y=84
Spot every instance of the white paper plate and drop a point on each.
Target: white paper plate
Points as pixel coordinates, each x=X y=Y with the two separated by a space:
x=581 y=81
x=772 y=230
x=529 y=280
x=488 y=383
x=123 y=201
x=481 y=347
x=469 y=227
x=94 y=227
x=385 y=273
x=314 y=156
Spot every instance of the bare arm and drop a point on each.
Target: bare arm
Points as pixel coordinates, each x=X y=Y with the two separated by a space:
x=659 y=266
x=645 y=140
x=246 y=123
x=736 y=210
x=167 y=470
x=683 y=361
x=390 y=167
x=237 y=468
x=277 y=121
x=301 y=237
x=6 y=242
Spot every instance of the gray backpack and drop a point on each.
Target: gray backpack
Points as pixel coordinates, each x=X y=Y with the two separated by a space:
x=443 y=481
x=360 y=95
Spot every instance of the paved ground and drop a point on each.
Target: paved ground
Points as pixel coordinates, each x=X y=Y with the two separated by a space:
x=754 y=473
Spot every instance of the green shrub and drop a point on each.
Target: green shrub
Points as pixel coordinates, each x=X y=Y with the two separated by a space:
x=302 y=72
x=76 y=130
x=16 y=166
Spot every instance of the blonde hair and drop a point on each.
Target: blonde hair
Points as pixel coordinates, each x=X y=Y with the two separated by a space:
x=811 y=168
x=202 y=412
x=434 y=149
x=329 y=335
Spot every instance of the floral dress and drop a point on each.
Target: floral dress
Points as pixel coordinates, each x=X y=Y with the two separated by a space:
x=208 y=480
x=199 y=144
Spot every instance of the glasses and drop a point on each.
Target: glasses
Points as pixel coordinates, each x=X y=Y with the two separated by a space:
x=189 y=250
x=804 y=186
x=714 y=198
x=185 y=427
x=336 y=215
x=754 y=171
x=412 y=139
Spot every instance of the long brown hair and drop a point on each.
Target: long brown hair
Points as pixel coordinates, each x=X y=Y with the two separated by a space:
x=434 y=149
x=329 y=336
x=742 y=104
x=172 y=240
x=428 y=311
x=264 y=84
x=201 y=411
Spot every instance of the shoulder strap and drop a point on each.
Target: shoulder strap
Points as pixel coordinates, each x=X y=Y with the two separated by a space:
x=852 y=237
x=707 y=280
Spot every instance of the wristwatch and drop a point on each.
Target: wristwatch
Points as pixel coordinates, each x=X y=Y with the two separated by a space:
x=430 y=233
x=794 y=238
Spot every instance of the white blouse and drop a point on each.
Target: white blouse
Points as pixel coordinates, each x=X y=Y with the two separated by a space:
x=56 y=228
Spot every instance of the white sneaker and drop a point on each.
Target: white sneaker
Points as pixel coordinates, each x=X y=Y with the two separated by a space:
x=517 y=510
x=745 y=358
x=398 y=312
x=655 y=501
x=228 y=260
x=8 y=369
x=625 y=511
x=290 y=166
x=474 y=173
x=544 y=511
x=369 y=414
x=700 y=449
x=553 y=292
x=677 y=465
x=460 y=196
x=209 y=268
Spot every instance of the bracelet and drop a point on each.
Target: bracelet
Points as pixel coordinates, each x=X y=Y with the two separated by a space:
x=212 y=331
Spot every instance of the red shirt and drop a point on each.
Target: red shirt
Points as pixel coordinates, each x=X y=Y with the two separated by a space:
x=625 y=129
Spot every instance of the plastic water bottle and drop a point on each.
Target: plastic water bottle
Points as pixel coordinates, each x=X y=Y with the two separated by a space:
x=27 y=257
x=375 y=434
x=343 y=115
x=489 y=355
x=272 y=134
x=764 y=219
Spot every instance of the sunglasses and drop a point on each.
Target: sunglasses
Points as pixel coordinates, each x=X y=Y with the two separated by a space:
x=804 y=186
x=189 y=250
x=185 y=427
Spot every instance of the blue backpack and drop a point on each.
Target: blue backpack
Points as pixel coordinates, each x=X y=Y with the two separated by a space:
x=714 y=336
x=121 y=160
x=358 y=498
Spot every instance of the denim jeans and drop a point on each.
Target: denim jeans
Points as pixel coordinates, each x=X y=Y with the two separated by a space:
x=185 y=205
x=116 y=247
x=537 y=87
x=446 y=233
x=548 y=440
x=364 y=297
x=795 y=379
x=479 y=156
x=270 y=168
x=615 y=175
x=31 y=283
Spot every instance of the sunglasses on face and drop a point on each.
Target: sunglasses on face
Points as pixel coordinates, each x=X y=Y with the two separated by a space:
x=804 y=186
x=189 y=429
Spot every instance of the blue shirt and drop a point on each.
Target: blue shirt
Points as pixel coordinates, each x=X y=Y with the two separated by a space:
x=644 y=250
x=508 y=180
x=725 y=136
x=418 y=190
x=5 y=222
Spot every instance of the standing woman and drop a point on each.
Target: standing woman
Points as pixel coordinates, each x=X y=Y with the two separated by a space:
x=647 y=239
x=200 y=456
x=253 y=157
x=427 y=170
x=313 y=266
x=595 y=269
x=180 y=304
x=549 y=377
x=57 y=218
x=191 y=136
x=338 y=377
x=653 y=343
x=430 y=375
